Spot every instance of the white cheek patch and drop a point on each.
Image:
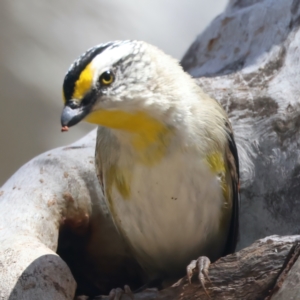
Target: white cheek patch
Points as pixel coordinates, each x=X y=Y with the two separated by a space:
x=106 y=59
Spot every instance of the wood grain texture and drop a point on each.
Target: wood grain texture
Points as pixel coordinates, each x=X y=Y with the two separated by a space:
x=248 y=59
x=248 y=274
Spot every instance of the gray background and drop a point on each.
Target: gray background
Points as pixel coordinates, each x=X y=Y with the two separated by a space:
x=40 y=39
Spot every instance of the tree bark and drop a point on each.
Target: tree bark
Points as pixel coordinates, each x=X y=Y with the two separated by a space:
x=255 y=272
x=248 y=59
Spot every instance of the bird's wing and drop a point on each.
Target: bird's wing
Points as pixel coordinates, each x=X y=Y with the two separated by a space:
x=233 y=165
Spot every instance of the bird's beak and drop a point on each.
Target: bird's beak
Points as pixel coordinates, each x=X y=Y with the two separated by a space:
x=72 y=116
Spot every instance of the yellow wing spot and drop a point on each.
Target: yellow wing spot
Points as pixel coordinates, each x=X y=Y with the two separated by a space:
x=84 y=83
x=216 y=162
x=120 y=179
x=217 y=166
x=115 y=177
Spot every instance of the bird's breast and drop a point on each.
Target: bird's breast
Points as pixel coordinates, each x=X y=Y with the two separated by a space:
x=169 y=212
x=148 y=137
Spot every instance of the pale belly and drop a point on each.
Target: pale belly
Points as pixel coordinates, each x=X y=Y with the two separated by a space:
x=172 y=214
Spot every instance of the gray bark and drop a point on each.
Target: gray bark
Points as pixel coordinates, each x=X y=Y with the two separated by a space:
x=248 y=59
x=248 y=274
x=53 y=188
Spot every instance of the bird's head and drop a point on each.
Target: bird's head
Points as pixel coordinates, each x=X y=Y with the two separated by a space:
x=117 y=84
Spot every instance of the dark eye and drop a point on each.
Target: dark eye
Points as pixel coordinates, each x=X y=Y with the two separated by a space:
x=106 y=78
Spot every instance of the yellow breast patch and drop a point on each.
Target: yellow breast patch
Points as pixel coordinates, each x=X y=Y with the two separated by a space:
x=150 y=137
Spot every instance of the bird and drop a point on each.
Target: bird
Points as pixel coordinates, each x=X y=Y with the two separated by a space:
x=165 y=156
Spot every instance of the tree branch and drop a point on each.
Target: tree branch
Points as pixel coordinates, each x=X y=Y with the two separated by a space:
x=249 y=274
x=248 y=59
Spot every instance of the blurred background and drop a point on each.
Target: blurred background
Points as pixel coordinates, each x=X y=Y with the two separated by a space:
x=41 y=38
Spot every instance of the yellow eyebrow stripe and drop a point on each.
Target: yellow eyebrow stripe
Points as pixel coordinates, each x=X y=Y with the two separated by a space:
x=84 y=83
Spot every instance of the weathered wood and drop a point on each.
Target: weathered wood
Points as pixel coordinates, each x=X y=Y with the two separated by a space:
x=33 y=206
x=248 y=274
x=248 y=59
x=287 y=286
